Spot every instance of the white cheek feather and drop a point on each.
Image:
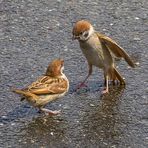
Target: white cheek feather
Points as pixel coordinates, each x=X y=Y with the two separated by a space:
x=64 y=76
x=62 y=69
x=91 y=31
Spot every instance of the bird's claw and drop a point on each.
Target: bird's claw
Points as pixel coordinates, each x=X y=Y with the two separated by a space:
x=105 y=91
x=81 y=85
x=55 y=112
x=50 y=112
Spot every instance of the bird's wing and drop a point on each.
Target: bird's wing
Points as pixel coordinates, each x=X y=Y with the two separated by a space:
x=115 y=48
x=25 y=93
x=48 y=85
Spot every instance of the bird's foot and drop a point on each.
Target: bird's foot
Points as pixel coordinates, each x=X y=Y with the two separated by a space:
x=50 y=112
x=105 y=91
x=55 y=112
x=80 y=85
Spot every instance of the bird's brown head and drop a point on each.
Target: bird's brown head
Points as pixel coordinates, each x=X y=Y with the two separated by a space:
x=82 y=30
x=55 y=68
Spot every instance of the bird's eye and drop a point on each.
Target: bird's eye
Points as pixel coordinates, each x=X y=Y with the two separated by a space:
x=86 y=34
x=81 y=33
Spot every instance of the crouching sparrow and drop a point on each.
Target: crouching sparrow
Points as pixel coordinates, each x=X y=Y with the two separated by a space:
x=54 y=84
x=98 y=50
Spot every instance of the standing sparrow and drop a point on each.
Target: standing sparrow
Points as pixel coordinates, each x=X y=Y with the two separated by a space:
x=98 y=49
x=54 y=84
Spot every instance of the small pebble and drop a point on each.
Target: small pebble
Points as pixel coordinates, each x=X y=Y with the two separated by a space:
x=144 y=97
x=4 y=117
x=32 y=141
x=137 y=18
x=1 y=124
x=12 y=124
x=65 y=48
x=137 y=39
x=105 y=143
x=51 y=133
x=146 y=138
x=58 y=24
x=137 y=63
x=128 y=67
x=44 y=121
x=51 y=10
x=92 y=105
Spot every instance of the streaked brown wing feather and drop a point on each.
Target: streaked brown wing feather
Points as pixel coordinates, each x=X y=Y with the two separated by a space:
x=50 y=86
x=25 y=93
x=115 y=48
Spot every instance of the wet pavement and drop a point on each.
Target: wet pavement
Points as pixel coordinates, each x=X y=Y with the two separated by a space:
x=34 y=32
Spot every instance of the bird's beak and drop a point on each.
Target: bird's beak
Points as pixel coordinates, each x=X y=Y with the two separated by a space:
x=75 y=37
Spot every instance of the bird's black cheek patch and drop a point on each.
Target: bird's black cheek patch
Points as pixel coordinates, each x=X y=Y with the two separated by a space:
x=86 y=35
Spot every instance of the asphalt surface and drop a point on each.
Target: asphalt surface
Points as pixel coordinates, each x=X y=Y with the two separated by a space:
x=34 y=32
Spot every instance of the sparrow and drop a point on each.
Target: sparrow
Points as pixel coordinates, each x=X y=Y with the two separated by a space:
x=48 y=87
x=100 y=51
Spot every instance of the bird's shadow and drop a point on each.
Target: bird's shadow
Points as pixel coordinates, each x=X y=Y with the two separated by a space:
x=104 y=118
x=22 y=112
x=19 y=112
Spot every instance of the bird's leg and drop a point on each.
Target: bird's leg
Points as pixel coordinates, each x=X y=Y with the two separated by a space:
x=82 y=84
x=105 y=80
x=106 y=90
x=50 y=112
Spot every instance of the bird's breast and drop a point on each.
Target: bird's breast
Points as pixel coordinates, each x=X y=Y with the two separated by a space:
x=93 y=52
x=45 y=99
